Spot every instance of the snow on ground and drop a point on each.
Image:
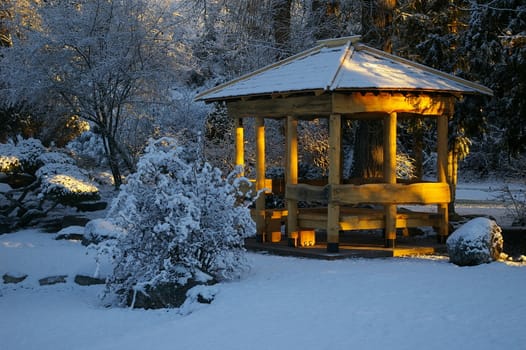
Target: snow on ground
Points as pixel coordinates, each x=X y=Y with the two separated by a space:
x=283 y=303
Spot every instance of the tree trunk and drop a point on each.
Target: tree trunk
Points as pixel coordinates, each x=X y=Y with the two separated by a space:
x=377 y=17
x=281 y=24
x=368 y=150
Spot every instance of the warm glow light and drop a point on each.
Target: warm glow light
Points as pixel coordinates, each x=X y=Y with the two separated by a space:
x=71 y=184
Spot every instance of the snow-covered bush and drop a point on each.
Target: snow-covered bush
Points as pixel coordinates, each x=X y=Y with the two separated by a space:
x=38 y=181
x=89 y=147
x=65 y=183
x=185 y=224
x=21 y=156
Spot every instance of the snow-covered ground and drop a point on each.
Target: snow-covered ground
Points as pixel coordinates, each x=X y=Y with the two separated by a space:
x=282 y=303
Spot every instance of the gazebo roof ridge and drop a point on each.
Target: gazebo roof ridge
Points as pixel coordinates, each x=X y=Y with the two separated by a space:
x=341 y=64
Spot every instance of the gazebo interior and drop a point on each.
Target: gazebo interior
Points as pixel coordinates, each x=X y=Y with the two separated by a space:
x=343 y=80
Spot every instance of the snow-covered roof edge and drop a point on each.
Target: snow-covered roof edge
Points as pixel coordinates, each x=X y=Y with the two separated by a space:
x=320 y=44
x=475 y=86
x=351 y=44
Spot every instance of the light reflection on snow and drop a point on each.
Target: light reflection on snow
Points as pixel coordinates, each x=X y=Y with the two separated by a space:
x=9 y=244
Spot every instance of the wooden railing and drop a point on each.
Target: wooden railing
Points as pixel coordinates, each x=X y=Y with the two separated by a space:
x=416 y=193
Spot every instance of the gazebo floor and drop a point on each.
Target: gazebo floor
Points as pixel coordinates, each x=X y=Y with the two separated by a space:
x=354 y=245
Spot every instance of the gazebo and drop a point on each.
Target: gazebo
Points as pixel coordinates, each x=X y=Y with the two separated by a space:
x=341 y=79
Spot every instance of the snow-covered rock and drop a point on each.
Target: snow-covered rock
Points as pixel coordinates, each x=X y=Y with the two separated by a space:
x=98 y=230
x=476 y=242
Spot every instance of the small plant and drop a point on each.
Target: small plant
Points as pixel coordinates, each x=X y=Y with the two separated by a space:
x=515 y=204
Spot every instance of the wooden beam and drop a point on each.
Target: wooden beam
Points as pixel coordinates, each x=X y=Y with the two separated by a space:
x=297 y=106
x=418 y=193
x=387 y=102
x=442 y=159
x=390 y=123
x=333 y=210
x=308 y=193
x=240 y=145
x=292 y=179
x=260 y=178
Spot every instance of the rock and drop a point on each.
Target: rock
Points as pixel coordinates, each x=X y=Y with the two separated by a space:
x=168 y=295
x=98 y=230
x=91 y=206
x=476 y=242
x=71 y=233
x=88 y=281
x=13 y=278
x=47 y=281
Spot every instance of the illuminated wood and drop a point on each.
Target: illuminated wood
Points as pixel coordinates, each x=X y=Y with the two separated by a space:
x=417 y=193
x=442 y=160
x=387 y=102
x=333 y=210
x=390 y=122
x=260 y=177
x=367 y=219
x=292 y=177
x=240 y=145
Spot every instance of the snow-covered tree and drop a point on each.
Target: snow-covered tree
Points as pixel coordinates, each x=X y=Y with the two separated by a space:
x=109 y=63
x=184 y=224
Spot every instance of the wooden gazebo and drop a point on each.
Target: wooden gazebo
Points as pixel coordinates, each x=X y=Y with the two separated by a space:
x=343 y=79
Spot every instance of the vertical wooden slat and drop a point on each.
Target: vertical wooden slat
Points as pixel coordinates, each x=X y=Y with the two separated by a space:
x=390 y=122
x=292 y=178
x=240 y=145
x=333 y=214
x=260 y=178
x=442 y=161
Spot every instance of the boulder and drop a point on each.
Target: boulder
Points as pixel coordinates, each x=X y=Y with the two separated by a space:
x=476 y=242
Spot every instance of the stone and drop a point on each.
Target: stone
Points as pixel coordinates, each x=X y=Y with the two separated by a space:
x=47 y=281
x=13 y=278
x=88 y=281
x=476 y=242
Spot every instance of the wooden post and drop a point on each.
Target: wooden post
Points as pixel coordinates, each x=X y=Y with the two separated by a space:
x=240 y=146
x=260 y=178
x=390 y=123
x=333 y=214
x=292 y=179
x=442 y=160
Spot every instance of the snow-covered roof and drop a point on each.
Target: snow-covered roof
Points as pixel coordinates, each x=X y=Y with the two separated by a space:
x=342 y=65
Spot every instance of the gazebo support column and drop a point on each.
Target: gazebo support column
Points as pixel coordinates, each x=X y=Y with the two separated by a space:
x=292 y=179
x=260 y=178
x=240 y=145
x=442 y=158
x=390 y=122
x=333 y=210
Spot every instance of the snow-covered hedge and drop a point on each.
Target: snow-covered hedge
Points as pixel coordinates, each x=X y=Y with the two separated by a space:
x=185 y=224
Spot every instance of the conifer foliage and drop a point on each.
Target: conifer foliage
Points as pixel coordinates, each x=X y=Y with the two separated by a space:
x=184 y=225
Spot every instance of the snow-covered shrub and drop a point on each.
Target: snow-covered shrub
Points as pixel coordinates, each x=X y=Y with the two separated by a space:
x=476 y=242
x=65 y=183
x=88 y=146
x=21 y=156
x=185 y=224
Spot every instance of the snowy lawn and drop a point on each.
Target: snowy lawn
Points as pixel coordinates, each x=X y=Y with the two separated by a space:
x=283 y=303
